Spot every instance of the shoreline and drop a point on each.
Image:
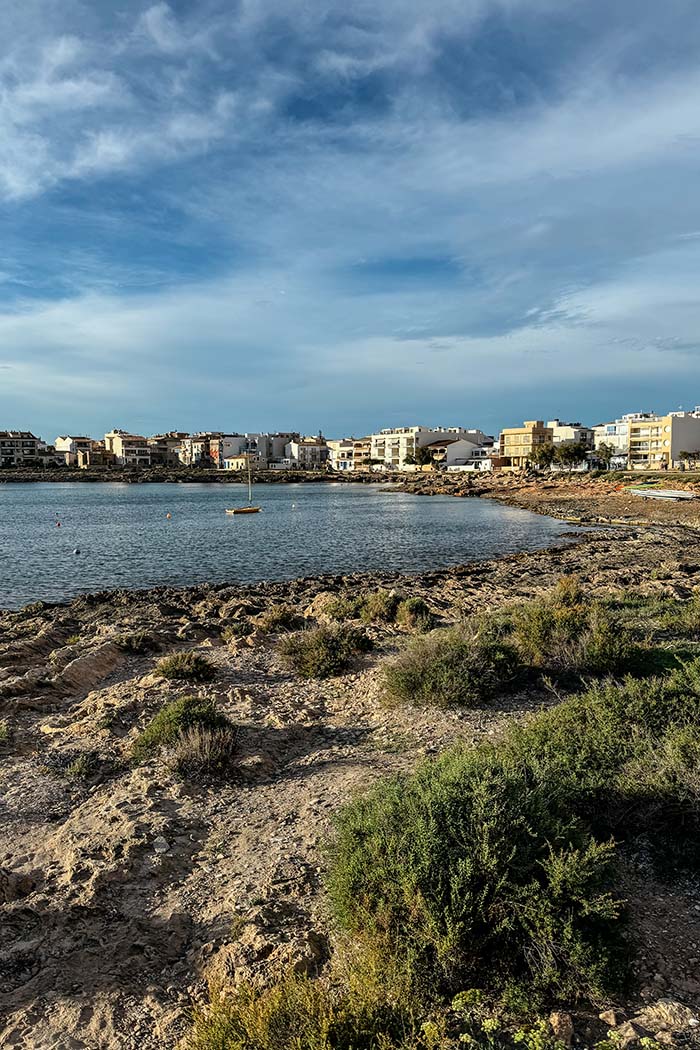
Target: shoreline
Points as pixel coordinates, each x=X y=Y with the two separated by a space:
x=236 y=888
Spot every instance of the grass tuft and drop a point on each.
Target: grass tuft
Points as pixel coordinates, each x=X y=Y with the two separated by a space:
x=187 y=712
x=203 y=752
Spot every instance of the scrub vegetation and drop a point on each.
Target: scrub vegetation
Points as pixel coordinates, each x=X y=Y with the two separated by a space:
x=484 y=887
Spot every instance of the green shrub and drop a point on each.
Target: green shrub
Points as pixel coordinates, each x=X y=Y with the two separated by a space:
x=452 y=666
x=82 y=767
x=73 y=639
x=563 y=632
x=494 y=866
x=379 y=606
x=237 y=629
x=138 y=642
x=323 y=651
x=202 y=751
x=4 y=731
x=188 y=666
x=338 y=606
x=464 y=870
x=175 y=718
x=414 y=612
x=279 y=618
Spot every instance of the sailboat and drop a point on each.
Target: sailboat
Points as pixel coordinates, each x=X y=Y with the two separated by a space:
x=250 y=509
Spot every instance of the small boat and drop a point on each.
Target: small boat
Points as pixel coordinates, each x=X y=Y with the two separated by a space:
x=664 y=493
x=250 y=509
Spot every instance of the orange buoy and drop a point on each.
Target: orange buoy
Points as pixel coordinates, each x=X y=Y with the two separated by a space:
x=168 y=515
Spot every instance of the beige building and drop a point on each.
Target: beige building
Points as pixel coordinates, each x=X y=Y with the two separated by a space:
x=657 y=443
x=517 y=443
x=570 y=433
x=129 y=450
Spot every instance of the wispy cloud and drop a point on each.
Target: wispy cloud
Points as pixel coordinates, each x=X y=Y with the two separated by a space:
x=448 y=202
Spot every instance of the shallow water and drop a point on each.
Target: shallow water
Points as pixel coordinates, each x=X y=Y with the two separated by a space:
x=124 y=538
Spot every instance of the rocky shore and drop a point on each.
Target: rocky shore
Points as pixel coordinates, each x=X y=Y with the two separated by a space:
x=124 y=887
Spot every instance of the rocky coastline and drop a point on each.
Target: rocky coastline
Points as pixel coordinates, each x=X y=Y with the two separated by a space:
x=124 y=888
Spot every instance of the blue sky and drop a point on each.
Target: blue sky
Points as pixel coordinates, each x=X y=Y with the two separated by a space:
x=303 y=215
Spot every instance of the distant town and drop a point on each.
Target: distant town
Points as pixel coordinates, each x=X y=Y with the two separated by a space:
x=637 y=440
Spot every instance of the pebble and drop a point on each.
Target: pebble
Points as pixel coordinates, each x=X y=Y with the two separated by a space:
x=161 y=845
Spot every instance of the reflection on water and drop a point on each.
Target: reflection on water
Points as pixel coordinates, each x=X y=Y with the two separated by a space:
x=123 y=537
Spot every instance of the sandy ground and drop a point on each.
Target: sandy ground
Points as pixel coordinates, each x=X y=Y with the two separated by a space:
x=119 y=891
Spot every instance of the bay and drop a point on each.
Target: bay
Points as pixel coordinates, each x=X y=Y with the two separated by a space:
x=118 y=535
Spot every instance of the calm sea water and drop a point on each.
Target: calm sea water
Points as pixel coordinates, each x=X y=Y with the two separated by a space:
x=124 y=538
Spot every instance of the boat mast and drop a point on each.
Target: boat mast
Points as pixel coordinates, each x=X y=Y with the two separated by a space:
x=250 y=483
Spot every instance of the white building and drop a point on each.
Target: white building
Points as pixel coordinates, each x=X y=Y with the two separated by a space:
x=390 y=448
x=341 y=454
x=617 y=435
x=67 y=448
x=307 y=453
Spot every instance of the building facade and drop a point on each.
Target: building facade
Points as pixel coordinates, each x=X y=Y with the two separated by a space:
x=19 y=448
x=657 y=443
x=307 y=453
x=129 y=450
x=67 y=448
x=517 y=443
x=395 y=447
x=570 y=433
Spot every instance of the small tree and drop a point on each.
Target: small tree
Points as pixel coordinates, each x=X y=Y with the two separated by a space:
x=570 y=455
x=423 y=456
x=410 y=460
x=605 y=452
x=542 y=456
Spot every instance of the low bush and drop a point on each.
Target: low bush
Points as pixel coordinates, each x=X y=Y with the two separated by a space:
x=323 y=651
x=563 y=632
x=452 y=666
x=137 y=642
x=82 y=767
x=4 y=731
x=379 y=606
x=177 y=717
x=279 y=618
x=338 y=606
x=201 y=751
x=237 y=629
x=188 y=666
x=414 y=613
x=494 y=866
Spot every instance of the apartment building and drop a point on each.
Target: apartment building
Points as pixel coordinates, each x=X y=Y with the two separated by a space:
x=616 y=434
x=165 y=448
x=95 y=456
x=392 y=447
x=307 y=453
x=657 y=443
x=570 y=433
x=341 y=454
x=129 y=450
x=518 y=443
x=19 y=448
x=67 y=448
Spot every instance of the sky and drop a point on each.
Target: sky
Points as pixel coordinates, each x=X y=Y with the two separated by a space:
x=283 y=214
